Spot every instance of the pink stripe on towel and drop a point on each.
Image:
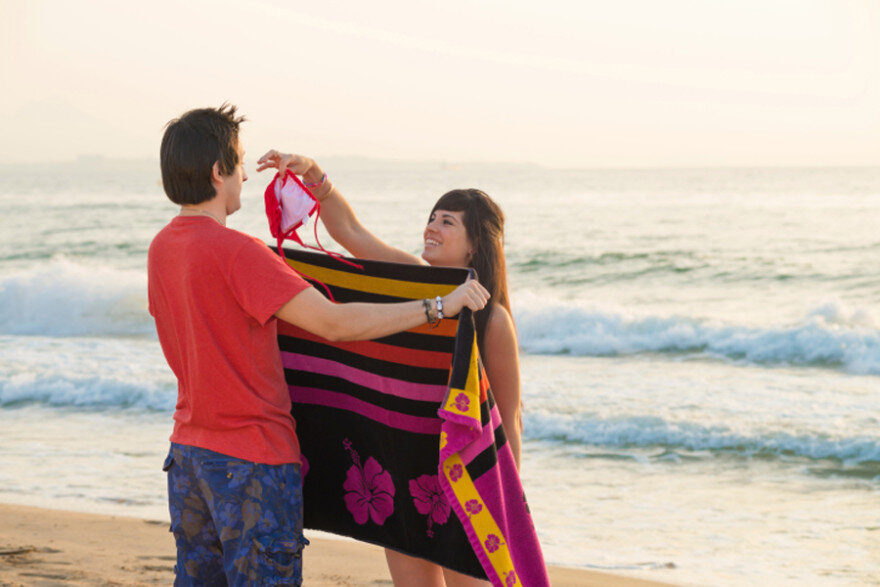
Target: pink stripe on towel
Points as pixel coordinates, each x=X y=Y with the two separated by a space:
x=484 y=441
x=342 y=401
x=396 y=387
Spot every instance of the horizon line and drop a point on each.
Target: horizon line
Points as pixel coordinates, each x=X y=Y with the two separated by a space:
x=452 y=164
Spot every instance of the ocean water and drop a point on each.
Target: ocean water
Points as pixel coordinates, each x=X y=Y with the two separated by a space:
x=700 y=354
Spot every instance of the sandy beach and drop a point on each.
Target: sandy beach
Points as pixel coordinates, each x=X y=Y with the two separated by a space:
x=52 y=547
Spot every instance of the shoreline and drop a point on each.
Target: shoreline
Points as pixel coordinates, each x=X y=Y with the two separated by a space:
x=70 y=548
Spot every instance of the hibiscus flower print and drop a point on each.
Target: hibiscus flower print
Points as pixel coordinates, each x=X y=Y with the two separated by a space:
x=369 y=490
x=492 y=543
x=473 y=507
x=429 y=500
x=455 y=473
x=510 y=578
x=462 y=403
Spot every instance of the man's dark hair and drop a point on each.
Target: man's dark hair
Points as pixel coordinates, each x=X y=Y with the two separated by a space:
x=190 y=147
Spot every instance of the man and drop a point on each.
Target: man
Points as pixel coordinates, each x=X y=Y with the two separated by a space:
x=234 y=483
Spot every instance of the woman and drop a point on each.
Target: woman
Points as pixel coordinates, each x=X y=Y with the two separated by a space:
x=465 y=229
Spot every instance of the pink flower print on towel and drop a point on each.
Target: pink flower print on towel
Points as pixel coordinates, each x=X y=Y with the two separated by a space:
x=370 y=491
x=456 y=472
x=462 y=403
x=429 y=500
x=473 y=507
x=492 y=543
x=510 y=578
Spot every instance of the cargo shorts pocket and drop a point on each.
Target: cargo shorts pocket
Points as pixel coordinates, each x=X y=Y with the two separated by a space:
x=169 y=462
x=279 y=559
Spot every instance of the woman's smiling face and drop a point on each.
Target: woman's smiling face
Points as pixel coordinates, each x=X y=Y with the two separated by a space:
x=446 y=240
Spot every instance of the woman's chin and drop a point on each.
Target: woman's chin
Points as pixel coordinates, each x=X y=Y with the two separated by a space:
x=433 y=258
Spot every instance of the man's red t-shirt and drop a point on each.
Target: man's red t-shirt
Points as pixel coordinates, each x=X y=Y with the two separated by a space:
x=214 y=292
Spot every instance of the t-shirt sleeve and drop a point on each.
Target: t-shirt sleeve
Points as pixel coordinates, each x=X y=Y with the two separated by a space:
x=262 y=282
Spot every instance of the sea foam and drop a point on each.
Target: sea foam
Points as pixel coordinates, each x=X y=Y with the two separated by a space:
x=64 y=298
x=96 y=393
x=655 y=432
x=831 y=334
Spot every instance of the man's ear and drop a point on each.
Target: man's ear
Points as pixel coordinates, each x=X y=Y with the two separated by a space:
x=216 y=176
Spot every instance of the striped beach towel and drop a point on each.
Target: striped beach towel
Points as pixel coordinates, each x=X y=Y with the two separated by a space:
x=402 y=442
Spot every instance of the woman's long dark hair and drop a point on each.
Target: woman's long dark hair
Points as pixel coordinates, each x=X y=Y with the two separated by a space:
x=484 y=222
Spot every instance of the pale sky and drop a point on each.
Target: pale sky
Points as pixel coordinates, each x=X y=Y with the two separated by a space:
x=576 y=83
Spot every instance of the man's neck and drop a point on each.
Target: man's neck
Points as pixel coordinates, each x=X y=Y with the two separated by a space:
x=213 y=209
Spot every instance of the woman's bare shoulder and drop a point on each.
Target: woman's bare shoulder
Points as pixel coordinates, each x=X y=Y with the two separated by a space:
x=499 y=326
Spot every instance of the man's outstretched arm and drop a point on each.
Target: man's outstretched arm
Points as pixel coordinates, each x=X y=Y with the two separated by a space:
x=363 y=321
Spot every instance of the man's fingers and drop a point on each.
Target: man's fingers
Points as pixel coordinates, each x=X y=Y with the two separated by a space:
x=474 y=294
x=476 y=298
x=480 y=290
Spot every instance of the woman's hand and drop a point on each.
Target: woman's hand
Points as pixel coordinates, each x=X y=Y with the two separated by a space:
x=471 y=294
x=302 y=166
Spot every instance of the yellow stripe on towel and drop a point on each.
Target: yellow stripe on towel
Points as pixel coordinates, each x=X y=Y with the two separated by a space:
x=481 y=520
x=467 y=401
x=376 y=285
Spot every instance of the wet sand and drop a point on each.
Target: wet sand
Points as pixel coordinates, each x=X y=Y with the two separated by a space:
x=52 y=547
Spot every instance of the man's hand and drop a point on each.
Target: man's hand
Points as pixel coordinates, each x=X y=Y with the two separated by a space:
x=471 y=294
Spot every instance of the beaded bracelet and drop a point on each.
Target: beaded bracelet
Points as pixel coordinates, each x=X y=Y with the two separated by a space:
x=318 y=183
x=432 y=322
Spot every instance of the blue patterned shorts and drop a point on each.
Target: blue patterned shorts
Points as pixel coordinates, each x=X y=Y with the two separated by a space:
x=235 y=522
